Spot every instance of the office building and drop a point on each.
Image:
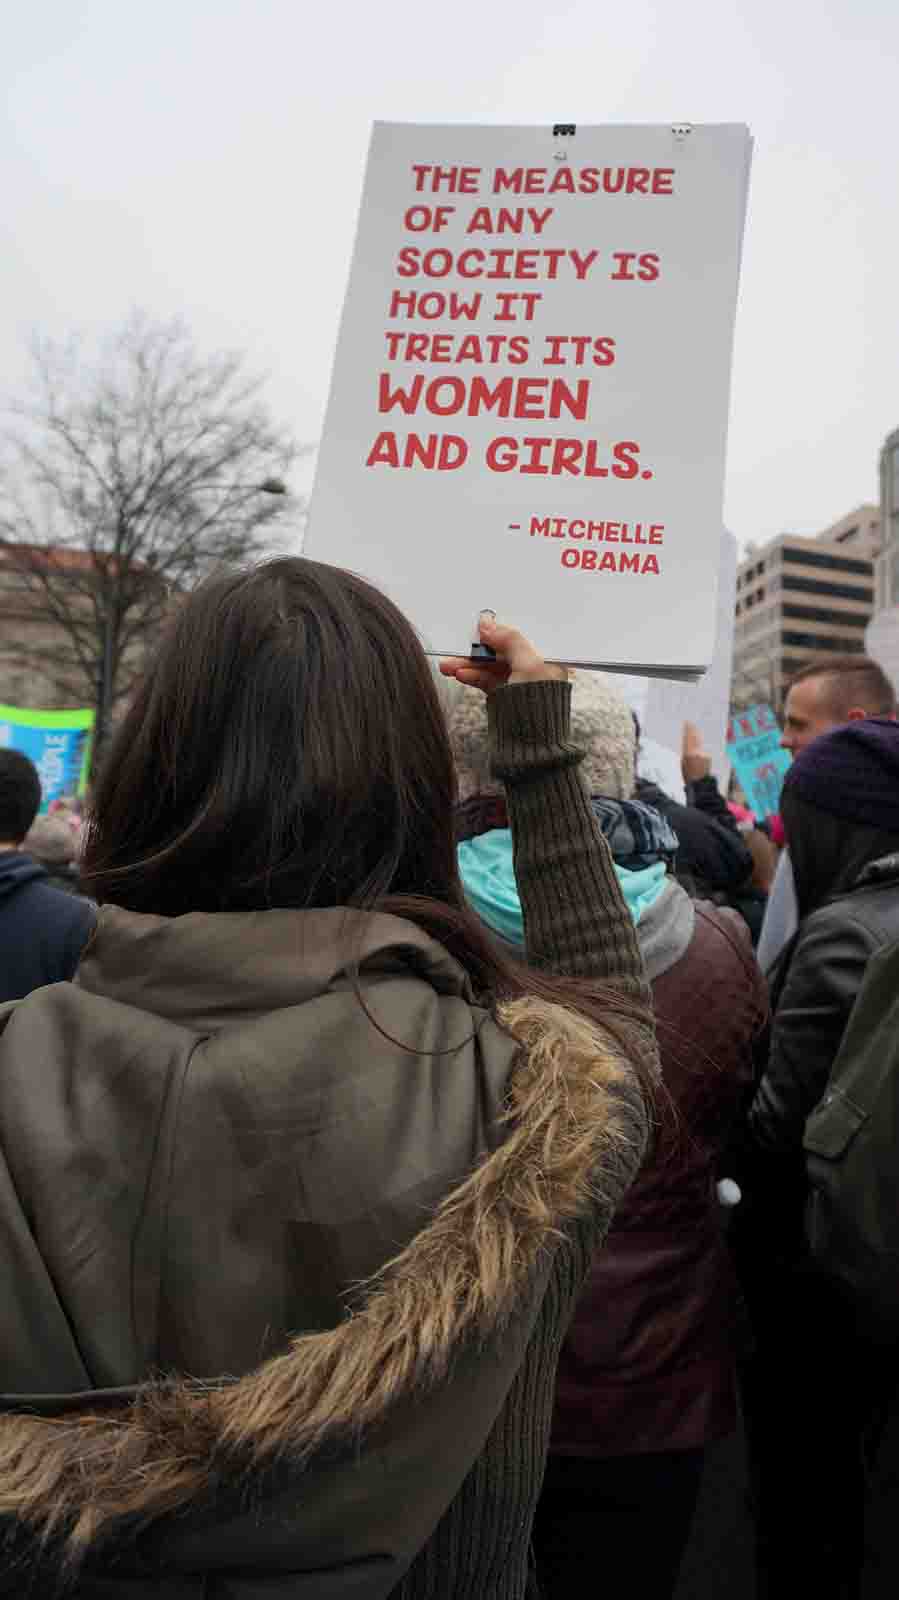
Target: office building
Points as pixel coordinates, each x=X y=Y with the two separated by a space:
x=888 y=561
x=802 y=597
x=882 y=638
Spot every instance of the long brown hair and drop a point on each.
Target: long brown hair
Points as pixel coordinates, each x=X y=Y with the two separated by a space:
x=828 y=853
x=287 y=748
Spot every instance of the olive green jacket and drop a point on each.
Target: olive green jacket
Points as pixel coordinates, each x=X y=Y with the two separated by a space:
x=290 y=1228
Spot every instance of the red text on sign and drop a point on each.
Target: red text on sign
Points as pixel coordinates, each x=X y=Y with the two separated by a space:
x=504 y=220
x=608 y=532
x=477 y=263
x=434 y=305
x=558 y=356
x=508 y=397
x=584 y=180
x=609 y=561
x=553 y=457
x=443 y=451
x=456 y=180
x=646 y=270
x=440 y=347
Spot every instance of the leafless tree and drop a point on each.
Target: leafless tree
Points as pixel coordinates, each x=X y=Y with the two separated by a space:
x=125 y=481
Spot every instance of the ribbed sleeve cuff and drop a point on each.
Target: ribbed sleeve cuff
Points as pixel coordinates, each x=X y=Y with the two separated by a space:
x=575 y=918
x=529 y=726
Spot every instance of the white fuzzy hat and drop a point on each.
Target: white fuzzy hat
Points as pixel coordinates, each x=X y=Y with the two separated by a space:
x=52 y=841
x=601 y=724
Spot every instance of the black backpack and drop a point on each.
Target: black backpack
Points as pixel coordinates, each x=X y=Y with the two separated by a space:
x=852 y=1153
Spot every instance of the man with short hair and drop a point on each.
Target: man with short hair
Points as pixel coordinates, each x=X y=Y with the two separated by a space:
x=832 y=690
x=827 y=692
x=42 y=930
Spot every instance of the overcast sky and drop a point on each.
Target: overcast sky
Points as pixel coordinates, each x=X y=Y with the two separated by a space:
x=204 y=158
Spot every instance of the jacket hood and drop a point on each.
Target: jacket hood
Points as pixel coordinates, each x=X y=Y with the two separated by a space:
x=218 y=1099
x=210 y=972
x=665 y=932
x=661 y=910
x=17 y=869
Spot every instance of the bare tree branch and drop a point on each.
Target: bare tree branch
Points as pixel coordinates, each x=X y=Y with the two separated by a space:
x=130 y=475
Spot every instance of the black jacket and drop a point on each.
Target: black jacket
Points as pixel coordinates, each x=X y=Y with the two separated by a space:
x=42 y=930
x=813 y=992
x=712 y=858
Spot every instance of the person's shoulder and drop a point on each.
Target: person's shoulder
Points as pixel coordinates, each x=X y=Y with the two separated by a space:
x=721 y=935
x=710 y=1008
x=875 y=899
x=862 y=914
x=838 y=939
x=59 y=903
x=63 y=921
x=719 y=960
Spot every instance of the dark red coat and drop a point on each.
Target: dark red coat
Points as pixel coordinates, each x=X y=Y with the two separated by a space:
x=648 y=1363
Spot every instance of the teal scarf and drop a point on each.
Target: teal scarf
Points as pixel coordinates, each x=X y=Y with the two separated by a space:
x=488 y=877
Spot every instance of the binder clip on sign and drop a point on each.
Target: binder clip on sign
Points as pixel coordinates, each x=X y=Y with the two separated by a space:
x=479 y=651
x=563 y=130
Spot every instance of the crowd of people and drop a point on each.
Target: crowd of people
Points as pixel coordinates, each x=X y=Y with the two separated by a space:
x=404 y=1128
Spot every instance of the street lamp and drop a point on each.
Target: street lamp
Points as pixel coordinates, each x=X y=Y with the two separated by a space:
x=267 y=486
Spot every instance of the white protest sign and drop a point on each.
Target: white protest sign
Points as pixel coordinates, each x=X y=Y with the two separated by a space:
x=529 y=401
x=661 y=765
x=707 y=703
x=663 y=706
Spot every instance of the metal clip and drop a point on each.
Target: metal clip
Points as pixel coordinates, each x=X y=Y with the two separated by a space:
x=563 y=130
x=479 y=651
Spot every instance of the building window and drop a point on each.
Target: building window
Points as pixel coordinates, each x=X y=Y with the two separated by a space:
x=821 y=641
x=863 y=593
x=818 y=558
x=842 y=619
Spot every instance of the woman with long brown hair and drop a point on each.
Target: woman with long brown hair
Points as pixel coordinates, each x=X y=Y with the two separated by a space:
x=301 y=1176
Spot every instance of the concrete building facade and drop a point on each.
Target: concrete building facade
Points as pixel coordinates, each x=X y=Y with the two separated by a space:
x=883 y=632
x=888 y=562
x=28 y=638
x=802 y=597
x=858 y=532
x=51 y=659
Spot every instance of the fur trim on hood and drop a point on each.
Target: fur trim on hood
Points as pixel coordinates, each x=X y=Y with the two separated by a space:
x=576 y=1130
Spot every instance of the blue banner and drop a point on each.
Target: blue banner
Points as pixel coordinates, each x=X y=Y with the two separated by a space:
x=753 y=749
x=58 y=742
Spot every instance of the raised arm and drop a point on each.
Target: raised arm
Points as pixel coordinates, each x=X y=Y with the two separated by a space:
x=576 y=922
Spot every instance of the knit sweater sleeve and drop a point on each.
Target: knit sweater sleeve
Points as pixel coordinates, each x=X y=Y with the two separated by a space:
x=575 y=919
